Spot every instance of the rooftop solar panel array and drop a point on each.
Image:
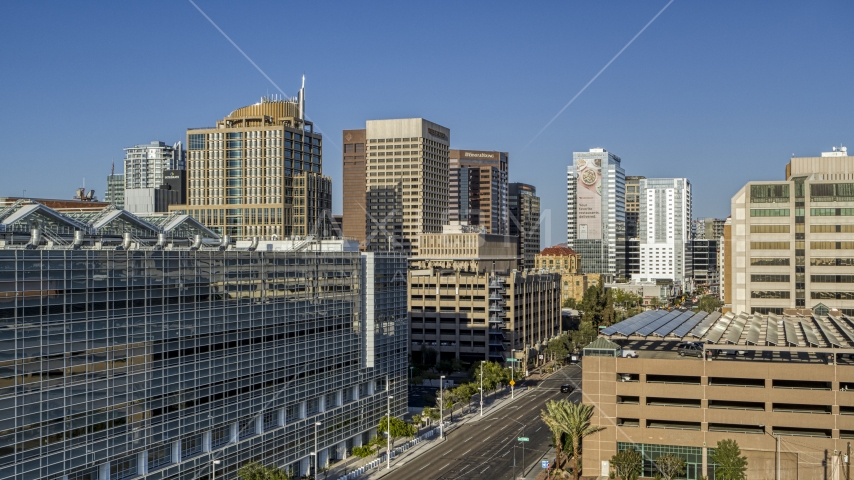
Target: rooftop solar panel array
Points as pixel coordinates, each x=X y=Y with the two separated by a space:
x=753 y=331
x=657 y=323
x=791 y=335
x=772 y=332
x=736 y=328
x=844 y=329
x=742 y=329
x=672 y=324
x=828 y=335
x=689 y=325
x=705 y=325
x=809 y=334
x=716 y=332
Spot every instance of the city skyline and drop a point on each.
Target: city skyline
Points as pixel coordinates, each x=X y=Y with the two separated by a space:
x=667 y=98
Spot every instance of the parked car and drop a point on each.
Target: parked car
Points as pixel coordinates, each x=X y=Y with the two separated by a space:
x=566 y=388
x=628 y=353
x=691 y=349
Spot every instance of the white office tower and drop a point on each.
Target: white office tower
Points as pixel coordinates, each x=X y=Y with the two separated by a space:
x=665 y=231
x=596 y=211
x=145 y=164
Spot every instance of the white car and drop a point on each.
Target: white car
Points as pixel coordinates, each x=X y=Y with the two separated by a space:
x=628 y=353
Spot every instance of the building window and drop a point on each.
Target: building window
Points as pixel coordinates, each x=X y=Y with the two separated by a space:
x=159 y=456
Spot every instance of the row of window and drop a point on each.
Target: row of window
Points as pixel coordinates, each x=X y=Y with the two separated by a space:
x=770 y=294
x=832 y=278
x=769 y=229
x=769 y=278
x=832 y=245
x=770 y=245
x=831 y=228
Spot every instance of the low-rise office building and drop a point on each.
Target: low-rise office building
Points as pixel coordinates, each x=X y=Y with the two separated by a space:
x=757 y=379
x=148 y=346
x=567 y=263
x=467 y=301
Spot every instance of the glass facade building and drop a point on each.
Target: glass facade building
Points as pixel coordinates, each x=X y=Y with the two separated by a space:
x=152 y=361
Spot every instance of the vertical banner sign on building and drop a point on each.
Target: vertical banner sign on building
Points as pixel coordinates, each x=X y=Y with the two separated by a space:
x=589 y=195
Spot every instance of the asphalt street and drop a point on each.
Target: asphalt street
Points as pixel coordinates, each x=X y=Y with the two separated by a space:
x=485 y=449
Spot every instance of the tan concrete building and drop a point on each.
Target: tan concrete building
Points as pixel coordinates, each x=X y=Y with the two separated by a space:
x=406 y=182
x=355 y=203
x=466 y=300
x=258 y=172
x=479 y=189
x=791 y=240
x=567 y=263
x=759 y=380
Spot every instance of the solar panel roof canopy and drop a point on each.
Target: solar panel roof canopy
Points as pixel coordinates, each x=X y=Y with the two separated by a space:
x=753 y=331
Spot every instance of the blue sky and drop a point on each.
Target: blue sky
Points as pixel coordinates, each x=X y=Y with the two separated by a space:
x=718 y=92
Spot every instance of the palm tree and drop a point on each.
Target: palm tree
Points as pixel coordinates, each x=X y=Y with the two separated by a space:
x=573 y=420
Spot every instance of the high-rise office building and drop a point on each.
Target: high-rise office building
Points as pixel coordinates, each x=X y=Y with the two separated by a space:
x=152 y=349
x=467 y=300
x=355 y=204
x=115 y=192
x=665 y=231
x=707 y=228
x=596 y=211
x=704 y=258
x=146 y=164
x=524 y=205
x=632 y=205
x=258 y=172
x=790 y=240
x=406 y=182
x=479 y=189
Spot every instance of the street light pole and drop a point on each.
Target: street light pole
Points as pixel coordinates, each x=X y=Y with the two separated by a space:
x=316 y=452
x=213 y=468
x=777 y=453
x=481 y=386
x=442 y=406
x=388 y=436
x=512 y=373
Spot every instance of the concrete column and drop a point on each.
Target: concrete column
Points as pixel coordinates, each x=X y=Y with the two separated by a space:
x=104 y=471
x=302 y=410
x=321 y=403
x=206 y=441
x=357 y=440
x=705 y=460
x=323 y=459
x=283 y=417
x=259 y=424
x=339 y=398
x=304 y=466
x=371 y=386
x=342 y=451
x=142 y=462
x=176 y=451
x=235 y=432
x=372 y=432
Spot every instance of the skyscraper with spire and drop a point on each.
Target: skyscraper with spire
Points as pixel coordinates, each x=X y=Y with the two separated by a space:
x=259 y=172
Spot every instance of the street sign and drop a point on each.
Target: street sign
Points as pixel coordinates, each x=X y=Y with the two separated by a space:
x=542 y=357
x=512 y=383
x=545 y=463
x=512 y=360
x=523 y=439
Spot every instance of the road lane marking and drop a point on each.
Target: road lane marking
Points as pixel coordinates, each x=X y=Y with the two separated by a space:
x=537 y=430
x=444 y=467
x=425 y=466
x=469 y=438
x=485 y=469
x=467 y=451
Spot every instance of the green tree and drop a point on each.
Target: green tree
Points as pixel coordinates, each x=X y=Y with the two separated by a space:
x=627 y=464
x=570 y=303
x=399 y=428
x=363 y=451
x=708 y=303
x=654 y=302
x=256 y=471
x=731 y=465
x=430 y=414
x=670 y=466
x=572 y=420
x=559 y=348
